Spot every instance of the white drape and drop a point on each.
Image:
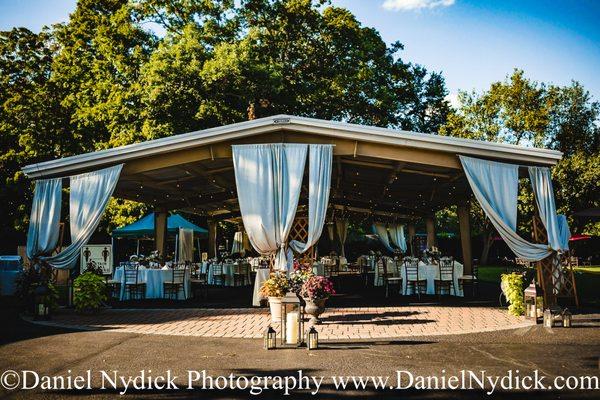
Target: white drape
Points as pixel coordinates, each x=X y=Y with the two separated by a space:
x=541 y=181
x=89 y=196
x=331 y=231
x=341 y=226
x=238 y=244
x=268 y=180
x=381 y=231
x=186 y=245
x=397 y=235
x=44 y=223
x=565 y=232
x=495 y=186
x=320 y=160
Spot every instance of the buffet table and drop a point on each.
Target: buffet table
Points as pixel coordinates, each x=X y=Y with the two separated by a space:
x=154 y=280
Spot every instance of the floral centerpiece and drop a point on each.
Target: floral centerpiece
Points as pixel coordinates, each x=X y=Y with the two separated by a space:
x=315 y=291
x=275 y=288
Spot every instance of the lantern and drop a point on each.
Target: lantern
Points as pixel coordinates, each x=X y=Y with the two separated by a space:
x=566 y=318
x=270 y=338
x=548 y=318
x=42 y=309
x=313 y=339
x=292 y=321
x=533 y=302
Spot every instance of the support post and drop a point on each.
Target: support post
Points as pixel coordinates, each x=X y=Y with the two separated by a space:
x=160 y=231
x=463 y=211
x=212 y=238
x=430 y=224
x=411 y=238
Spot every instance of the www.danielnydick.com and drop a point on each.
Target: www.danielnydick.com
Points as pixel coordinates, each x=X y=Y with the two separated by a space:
x=288 y=385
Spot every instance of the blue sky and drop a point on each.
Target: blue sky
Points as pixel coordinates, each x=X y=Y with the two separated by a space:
x=473 y=43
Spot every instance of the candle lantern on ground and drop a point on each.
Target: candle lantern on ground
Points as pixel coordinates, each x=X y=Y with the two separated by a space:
x=292 y=322
x=548 y=318
x=566 y=318
x=270 y=338
x=533 y=302
x=42 y=309
x=312 y=341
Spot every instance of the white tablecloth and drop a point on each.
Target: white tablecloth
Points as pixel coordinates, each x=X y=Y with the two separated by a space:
x=262 y=274
x=228 y=270
x=154 y=280
x=318 y=269
x=8 y=281
x=431 y=272
x=390 y=267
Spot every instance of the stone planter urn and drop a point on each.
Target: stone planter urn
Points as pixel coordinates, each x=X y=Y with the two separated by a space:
x=314 y=308
x=275 y=307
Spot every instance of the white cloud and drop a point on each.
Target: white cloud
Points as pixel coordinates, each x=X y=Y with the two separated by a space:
x=408 y=5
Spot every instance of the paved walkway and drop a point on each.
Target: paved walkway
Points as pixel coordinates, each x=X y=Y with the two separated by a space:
x=337 y=324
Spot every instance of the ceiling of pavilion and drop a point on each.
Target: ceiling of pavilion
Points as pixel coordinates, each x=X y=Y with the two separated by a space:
x=361 y=187
x=377 y=172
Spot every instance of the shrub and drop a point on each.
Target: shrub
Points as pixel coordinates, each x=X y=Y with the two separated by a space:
x=513 y=290
x=89 y=291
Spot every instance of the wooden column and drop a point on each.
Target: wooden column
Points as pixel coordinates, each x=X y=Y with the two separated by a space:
x=212 y=238
x=411 y=238
x=463 y=211
x=430 y=224
x=160 y=231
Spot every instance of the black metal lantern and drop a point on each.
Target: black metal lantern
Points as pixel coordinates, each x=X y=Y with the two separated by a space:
x=41 y=308
x=270 y=338
x=566 y=318
x=313 y=339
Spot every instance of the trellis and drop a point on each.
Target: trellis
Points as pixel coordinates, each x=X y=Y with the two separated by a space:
x=556 y=282
x=299 y=232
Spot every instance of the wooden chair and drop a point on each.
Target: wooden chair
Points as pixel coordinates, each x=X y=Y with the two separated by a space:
x=391 y=277
x=446 y=278
x=113 y=288
x=135 y=288
x=217 y=274
x=172 y=287
x=416 y=284
x=470 y=280
x=241 y=272
x=381 y=272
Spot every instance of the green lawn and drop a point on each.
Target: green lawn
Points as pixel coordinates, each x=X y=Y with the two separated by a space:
x=587 y=279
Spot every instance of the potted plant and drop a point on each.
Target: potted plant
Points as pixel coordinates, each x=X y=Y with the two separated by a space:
x=275 y=288
x=89 y=292
x=315 y=291
x=298 y=277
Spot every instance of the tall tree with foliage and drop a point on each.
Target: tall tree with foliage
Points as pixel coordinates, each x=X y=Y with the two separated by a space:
x=524 y=112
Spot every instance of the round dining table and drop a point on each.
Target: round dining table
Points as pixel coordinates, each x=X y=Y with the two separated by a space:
x=154 y=280
x=429 y=272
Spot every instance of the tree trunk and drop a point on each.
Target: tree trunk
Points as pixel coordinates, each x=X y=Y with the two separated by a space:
x=488 y=240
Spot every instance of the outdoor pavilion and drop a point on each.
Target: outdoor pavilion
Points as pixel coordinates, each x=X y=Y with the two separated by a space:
x=377 y=173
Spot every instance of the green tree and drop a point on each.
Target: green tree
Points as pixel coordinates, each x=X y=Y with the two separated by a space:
x=521 y=111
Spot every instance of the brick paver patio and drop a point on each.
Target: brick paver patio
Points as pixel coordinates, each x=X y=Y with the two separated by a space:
x=337 y=323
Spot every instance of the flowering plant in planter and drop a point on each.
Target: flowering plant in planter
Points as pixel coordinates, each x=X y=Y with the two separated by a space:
x=300 y=274
x=316 y=288
x=276 y=286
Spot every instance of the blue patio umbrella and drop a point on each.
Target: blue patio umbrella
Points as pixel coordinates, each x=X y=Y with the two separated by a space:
x=144 y=227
